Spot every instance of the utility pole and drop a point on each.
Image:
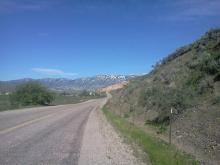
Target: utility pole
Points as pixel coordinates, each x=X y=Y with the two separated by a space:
x=170 y=133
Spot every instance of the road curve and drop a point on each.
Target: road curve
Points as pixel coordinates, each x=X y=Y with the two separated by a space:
x=45 y=135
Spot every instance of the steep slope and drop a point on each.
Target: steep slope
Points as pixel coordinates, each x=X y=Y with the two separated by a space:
x=88 y=83
x=189 y=82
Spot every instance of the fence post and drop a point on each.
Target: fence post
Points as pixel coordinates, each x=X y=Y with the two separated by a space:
x=170 y=133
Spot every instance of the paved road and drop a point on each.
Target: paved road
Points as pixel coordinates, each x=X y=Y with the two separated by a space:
x=48 y=135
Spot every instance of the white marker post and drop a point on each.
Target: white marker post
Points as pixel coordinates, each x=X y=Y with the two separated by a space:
x=171 y=111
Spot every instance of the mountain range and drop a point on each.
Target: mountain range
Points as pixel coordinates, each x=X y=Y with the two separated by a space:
x=64 y=84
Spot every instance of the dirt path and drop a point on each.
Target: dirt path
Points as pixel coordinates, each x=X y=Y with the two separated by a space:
x=101 y=145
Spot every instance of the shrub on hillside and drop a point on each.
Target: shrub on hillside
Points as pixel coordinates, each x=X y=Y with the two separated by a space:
x=162 y=99
x=210 y=64
x=31 y=93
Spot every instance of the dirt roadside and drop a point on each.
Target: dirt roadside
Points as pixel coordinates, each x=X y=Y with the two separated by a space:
x=101 y=145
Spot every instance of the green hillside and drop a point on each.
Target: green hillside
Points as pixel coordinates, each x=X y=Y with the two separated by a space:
x=188 y=81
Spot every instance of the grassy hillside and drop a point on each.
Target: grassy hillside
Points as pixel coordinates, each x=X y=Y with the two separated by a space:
x=159 y=153
x=188 y=81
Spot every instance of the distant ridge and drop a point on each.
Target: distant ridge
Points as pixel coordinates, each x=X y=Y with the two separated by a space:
x=64 y=84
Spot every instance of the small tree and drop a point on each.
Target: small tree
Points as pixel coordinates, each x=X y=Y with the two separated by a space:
x=31 y=93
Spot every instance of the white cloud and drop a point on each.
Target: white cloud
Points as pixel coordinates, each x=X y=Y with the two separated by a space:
x=188 y=10
x=52 y=72
x=201 y=8
x=12 y=6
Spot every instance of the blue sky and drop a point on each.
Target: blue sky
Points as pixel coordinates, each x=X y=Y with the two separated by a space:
x=78 y=38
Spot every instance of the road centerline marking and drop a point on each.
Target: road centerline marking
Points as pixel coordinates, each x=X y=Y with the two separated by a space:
x=7 y=130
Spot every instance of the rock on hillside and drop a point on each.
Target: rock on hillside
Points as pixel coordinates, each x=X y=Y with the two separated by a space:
x=114 y=87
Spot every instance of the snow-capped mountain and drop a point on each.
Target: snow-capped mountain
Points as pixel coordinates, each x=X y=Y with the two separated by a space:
x=63 y=84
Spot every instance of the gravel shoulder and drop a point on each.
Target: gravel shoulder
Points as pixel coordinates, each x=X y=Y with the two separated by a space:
x=101 y=145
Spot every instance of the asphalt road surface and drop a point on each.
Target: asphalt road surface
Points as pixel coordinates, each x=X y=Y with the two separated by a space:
x=45 y=135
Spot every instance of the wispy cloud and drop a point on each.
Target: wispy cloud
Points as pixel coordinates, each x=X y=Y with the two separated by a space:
x=188 y=10
x=53 y=72
x=11 y=6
